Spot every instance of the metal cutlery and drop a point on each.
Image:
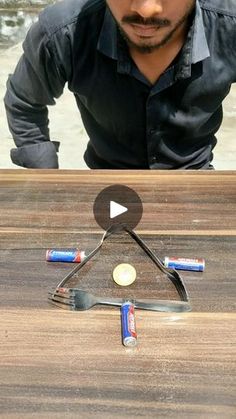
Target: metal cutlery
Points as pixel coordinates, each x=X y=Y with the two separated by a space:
x=79 y=300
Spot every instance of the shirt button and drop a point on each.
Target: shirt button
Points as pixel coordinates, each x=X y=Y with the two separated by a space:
x=153 y=159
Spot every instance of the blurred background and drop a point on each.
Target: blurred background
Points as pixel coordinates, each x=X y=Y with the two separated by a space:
x=16 y=16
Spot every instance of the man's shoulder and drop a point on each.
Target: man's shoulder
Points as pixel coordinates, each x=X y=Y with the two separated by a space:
x=225 y=7
x=66 y=12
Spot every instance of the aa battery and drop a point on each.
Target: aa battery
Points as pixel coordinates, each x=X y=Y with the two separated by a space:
x=184 y=264
x=65 y=255
x=129 y=334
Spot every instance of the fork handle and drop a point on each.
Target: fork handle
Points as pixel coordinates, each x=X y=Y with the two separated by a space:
x=152 y=305
x=110 y=302
x=162 y=305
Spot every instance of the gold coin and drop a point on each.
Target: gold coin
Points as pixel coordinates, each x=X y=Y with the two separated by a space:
x=124 y=274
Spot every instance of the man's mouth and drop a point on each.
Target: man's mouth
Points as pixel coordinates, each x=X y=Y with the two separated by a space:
x=144 y=30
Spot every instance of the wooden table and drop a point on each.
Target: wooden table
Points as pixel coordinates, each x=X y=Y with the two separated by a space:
x=63 y=364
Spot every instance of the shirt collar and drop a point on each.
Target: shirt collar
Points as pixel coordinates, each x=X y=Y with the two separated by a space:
x=107 y=42
x=200 y=50
x=195 y=48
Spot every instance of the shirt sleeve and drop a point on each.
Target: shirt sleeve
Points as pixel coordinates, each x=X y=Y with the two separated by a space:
x=35 y=84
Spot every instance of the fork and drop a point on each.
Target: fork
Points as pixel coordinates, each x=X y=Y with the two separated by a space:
x=79 y=300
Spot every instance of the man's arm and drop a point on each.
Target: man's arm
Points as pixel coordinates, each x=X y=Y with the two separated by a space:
x=34 y=85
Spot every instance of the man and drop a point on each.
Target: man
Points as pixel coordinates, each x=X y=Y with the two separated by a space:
x=149 y=78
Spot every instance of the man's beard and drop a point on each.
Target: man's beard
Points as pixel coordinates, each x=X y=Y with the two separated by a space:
x=146 y=47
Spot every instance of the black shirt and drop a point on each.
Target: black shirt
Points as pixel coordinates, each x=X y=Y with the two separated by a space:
x=131 y=124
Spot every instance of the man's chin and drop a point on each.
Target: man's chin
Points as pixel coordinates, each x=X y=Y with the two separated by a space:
x=145 y=45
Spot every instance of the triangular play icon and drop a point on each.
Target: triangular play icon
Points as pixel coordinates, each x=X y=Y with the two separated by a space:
x=116 y=209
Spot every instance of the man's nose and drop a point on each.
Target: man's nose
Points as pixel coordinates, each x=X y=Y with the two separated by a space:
x=147 y=8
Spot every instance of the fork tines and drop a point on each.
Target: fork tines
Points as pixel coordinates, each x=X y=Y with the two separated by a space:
x=63 y=298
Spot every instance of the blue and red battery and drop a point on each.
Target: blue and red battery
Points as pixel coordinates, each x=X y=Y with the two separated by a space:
x=184 y=264
x=65 y=255
x=129 y=334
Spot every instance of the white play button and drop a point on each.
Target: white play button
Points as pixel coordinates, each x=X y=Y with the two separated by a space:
x=117 y=204
x=116 y=209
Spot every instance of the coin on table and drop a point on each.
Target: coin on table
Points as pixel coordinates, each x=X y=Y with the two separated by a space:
x=124 y=274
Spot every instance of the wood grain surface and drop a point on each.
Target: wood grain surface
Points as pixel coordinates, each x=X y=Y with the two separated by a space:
x=64 y=364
